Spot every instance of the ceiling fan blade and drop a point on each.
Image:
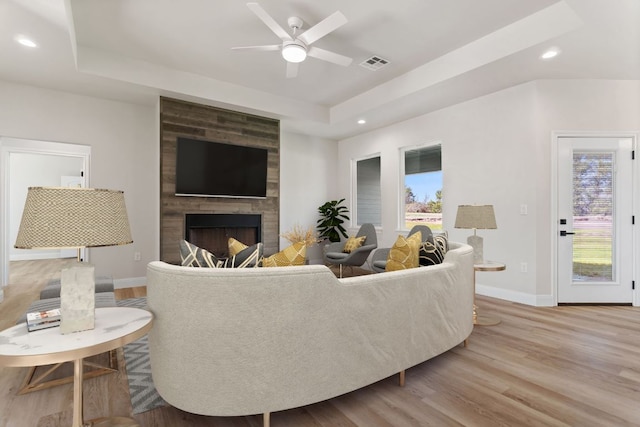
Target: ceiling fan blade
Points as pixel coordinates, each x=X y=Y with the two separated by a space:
x=326 y=55
x=292 y=69
x=324 y=27
x=269 y=21
x=262 y=48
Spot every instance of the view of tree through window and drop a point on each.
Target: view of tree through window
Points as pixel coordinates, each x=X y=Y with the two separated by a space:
x=423 y=187
x=593 y=205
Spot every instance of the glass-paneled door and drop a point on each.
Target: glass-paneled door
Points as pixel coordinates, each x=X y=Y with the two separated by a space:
x=595 y=240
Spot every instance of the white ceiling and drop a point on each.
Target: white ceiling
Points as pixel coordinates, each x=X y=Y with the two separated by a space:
x=439 y=52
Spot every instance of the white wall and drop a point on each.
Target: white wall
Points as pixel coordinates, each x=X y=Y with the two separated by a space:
x=308 y=178
x=496 y=150
x=125 y=156
x=28 y=170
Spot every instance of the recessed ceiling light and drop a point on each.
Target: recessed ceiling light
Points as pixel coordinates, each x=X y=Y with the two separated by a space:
x=25 y=41
x=550 y=53
x=362 y=121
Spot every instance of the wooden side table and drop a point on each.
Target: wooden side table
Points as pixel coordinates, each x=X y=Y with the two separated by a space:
x=114 y=327
x=485 y=266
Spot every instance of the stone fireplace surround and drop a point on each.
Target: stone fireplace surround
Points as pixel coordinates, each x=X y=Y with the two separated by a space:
x=190 y=120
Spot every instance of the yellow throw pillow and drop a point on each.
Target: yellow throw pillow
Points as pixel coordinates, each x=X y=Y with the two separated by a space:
x=353 y=243
x=404 y=253
x=291 y=255
x=235 y=246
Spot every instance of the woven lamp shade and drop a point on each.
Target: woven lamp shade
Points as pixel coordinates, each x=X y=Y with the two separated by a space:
x=479 y=217
x=58 y=217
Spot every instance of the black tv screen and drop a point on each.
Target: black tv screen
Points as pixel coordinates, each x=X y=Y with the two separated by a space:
x=214 y=169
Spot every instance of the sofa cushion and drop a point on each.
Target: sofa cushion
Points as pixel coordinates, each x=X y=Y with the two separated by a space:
x=247 y=257
x=353 y=243
x=291 y=255
x=404 y=253
x=193 y=256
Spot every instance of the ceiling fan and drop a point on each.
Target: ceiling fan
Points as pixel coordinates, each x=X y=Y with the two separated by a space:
x=296 y=47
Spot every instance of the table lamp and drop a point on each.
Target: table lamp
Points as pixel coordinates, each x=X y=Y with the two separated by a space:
x=476 y=217
x=64 y=218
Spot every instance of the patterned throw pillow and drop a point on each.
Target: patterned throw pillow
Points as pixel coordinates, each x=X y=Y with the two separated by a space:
x=430 y=254
x=291 y=255
x=404 y=253
x=353 y=243
x=442 y=241
x=235 y=246
x=248 y=257
x=193 y=256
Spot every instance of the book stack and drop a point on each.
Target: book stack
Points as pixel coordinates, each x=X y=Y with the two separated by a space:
x=43 y=319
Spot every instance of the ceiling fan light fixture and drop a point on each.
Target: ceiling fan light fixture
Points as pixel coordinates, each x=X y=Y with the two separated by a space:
x=294 y=52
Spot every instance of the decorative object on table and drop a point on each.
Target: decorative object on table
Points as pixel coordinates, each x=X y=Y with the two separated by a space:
x=43 y=319
x=332 y=215
x=477 y=217
x=60 y=217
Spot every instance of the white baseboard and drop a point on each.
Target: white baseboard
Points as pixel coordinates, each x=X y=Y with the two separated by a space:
x=515 y=296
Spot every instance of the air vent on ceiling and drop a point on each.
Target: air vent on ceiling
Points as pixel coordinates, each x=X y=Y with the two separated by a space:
x=374 y=63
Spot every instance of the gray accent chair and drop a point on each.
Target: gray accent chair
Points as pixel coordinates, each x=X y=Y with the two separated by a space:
x=379 y=258
x=333 y=253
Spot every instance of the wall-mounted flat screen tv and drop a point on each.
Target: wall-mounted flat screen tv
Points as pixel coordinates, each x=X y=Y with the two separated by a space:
x=215 y=169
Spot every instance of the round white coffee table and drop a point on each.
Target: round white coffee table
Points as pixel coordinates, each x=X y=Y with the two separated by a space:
x=114 y=327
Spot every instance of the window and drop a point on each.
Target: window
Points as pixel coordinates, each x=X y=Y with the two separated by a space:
x=367 y=191
x=421 y=201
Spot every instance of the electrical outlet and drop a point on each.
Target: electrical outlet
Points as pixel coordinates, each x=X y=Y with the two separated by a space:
x=523 y=267
x=524 y=209
x=136 y=256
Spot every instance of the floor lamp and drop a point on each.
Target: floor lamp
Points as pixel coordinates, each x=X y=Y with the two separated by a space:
x=74 y=218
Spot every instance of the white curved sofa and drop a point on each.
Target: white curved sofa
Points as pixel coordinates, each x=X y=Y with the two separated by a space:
x=231 y=342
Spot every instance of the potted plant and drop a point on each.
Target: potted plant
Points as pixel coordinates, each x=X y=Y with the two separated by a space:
x=332 y=216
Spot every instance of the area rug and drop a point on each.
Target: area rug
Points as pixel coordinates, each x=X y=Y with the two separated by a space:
x=144 y=396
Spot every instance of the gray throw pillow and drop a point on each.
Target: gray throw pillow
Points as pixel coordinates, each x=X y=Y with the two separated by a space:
x=193 y=256
x=247 y=257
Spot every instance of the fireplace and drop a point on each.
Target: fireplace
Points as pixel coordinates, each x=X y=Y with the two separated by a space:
x=212 y=231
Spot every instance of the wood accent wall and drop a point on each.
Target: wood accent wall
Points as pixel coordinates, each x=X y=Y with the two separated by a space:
x=186 y=119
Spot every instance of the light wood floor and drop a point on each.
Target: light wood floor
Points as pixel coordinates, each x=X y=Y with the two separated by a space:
x=560 y=366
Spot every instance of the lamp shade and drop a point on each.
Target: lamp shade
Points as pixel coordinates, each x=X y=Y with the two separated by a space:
x=60 y=217
x=476 y=216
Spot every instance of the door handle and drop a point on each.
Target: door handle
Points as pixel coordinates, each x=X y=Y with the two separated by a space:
x=566 y=233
